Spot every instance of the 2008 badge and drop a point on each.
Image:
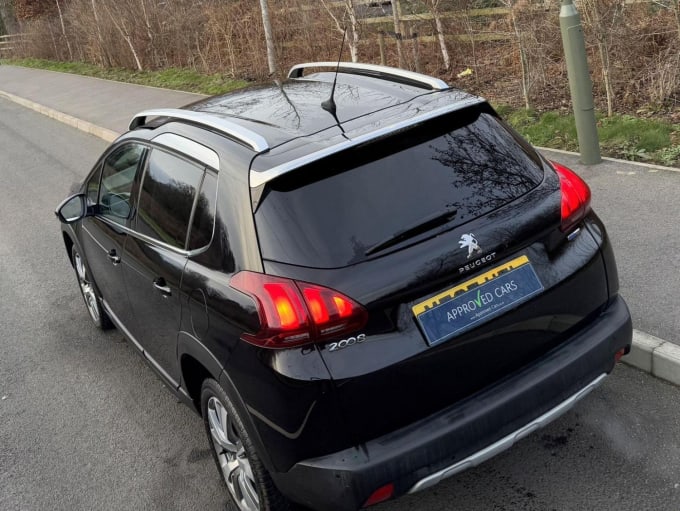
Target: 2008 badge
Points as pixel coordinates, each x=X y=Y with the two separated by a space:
x=345 y=343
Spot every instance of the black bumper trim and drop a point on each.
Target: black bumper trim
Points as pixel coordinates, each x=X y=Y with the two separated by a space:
x=508 y=441
x=342 y=481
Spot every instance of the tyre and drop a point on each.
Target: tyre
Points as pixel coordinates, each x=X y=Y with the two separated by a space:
x=250 y=485
x=89 y=292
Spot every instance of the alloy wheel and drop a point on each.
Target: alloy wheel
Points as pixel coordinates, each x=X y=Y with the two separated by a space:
x=236 y=468
x=86 y=287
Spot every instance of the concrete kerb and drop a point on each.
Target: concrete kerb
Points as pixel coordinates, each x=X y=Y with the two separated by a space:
x=648 y=353
x=74 y=122
x=655 y=356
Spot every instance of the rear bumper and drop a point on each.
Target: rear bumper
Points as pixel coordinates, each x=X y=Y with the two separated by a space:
x=425 y=452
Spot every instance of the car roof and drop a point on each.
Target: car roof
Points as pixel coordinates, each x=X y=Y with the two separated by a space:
x=292 y=109
x=286 y=125
x=286 y=110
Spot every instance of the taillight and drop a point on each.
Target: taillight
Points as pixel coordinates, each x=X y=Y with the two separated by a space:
x=293 y=313
x=575 y=196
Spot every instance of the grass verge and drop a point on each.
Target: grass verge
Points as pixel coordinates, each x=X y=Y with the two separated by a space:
x=621 y=136
x=172 y=78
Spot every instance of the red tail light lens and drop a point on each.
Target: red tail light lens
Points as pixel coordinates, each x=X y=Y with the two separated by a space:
x=575 y=196
x=317 y=306
x=293 y=313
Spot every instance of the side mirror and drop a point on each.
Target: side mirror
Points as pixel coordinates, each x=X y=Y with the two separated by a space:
x=72 y=209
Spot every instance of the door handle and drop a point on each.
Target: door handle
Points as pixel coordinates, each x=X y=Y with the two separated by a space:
x=115 y=259
x=162 y=286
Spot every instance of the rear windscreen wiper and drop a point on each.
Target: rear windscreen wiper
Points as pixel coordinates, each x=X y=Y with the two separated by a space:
x=421 y=226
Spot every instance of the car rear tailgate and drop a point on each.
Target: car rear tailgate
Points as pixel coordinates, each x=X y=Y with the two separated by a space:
x=395 y=376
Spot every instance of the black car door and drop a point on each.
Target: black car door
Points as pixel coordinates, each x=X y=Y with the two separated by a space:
x=104 y=234
x=156 y=255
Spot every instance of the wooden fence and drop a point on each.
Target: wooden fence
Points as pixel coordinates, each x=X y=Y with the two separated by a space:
x=9 y=44
x=425 y=15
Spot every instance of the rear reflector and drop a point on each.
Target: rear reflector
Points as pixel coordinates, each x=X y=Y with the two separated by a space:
x=380 y=495
x=619 y=354
x=294 y=313
x=575 y=197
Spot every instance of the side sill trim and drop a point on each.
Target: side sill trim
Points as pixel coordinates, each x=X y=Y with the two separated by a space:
x=506 y=442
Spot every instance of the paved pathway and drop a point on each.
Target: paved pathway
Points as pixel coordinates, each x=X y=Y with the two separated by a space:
x=104 y=103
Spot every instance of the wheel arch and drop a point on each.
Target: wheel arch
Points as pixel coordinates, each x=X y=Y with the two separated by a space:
x=68 y=244
x=196 y=364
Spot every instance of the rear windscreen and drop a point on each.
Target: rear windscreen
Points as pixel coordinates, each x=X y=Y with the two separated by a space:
x=377 y=198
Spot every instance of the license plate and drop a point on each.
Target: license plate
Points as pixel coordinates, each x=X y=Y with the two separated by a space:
x=477 y=300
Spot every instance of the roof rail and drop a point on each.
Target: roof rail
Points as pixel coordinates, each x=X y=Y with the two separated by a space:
x=384 y=72
x=233 y=130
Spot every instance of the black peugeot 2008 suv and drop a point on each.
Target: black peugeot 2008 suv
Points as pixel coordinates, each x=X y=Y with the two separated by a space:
x=360 y=298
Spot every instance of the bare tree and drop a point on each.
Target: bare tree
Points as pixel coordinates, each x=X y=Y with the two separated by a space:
x=7 y=17
x=603 y=18
x=674 y=6
x=149 y=32
x=637 y=57
x=523 y=59
x=100 y=37
x=468 y=25
x=433 y=5
x=119 y=23
x=268 y=36
x=351 y=13
x=396 y=16
x=63 y=31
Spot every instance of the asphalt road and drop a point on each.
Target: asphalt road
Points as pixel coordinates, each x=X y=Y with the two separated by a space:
x=85 y=424
x=639 y=206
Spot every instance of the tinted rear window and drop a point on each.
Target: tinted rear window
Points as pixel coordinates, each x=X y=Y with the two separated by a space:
x=335 y=212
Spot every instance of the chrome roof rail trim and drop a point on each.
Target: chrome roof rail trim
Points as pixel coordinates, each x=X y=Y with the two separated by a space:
x=189 y=147
x=507 y=441
x=383 y=72
x=258 y=178
x=247 y=137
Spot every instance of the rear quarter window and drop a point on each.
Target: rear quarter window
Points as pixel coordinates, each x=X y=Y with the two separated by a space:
x=203 y=223
x=166 y=198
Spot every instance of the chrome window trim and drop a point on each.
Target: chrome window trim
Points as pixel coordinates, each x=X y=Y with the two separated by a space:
x=189 y=148
x=506 y=442
x=153 y=241
x=383 y=72
x=239 y=133
x=259 y=178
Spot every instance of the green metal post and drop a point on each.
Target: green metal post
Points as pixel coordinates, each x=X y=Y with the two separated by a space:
x=579 y=83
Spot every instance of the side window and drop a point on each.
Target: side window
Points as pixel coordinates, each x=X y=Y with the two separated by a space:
x=118 y=174
x=204 y=216
x=167 y=197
